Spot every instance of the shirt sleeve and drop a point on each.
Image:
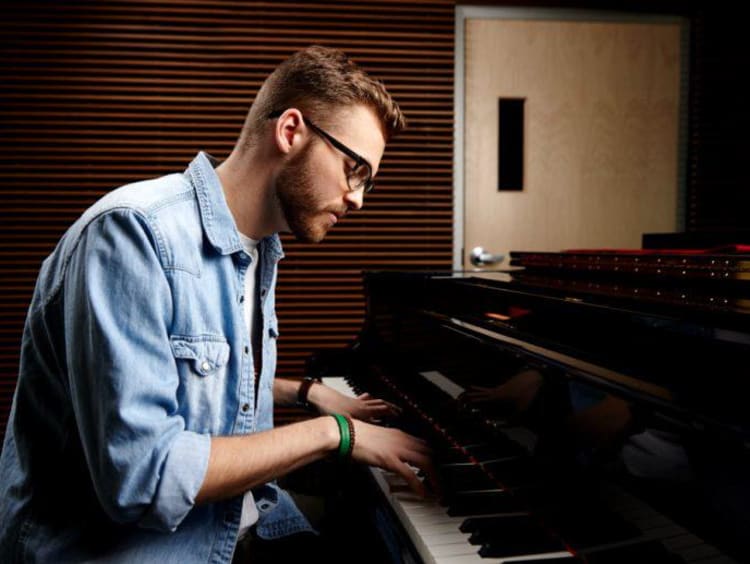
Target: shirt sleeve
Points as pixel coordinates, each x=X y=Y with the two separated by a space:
x=145 y=467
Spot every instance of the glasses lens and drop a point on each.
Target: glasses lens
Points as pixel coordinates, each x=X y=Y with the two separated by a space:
x=359 y=178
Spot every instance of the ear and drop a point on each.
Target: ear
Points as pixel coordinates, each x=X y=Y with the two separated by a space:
x=289 y=130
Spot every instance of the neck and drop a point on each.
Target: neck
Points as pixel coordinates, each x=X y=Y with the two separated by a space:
x=247 y=178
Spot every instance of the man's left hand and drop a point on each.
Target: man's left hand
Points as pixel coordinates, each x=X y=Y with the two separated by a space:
x=363 y=407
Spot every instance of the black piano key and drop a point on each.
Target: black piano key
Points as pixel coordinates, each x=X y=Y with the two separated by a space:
x=502 y=447
x=451 y=453
x=460 y=477
x=515 y=472
x=652 y=552
x=490 y=529
x=585 y=524
x=481 y=502
x=560 y=560
x=521 y=544
x=479 y=451
x=597 y=530
x=473 y=524
x=516 y=535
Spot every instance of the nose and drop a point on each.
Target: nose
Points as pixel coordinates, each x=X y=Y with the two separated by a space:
x=354 y=199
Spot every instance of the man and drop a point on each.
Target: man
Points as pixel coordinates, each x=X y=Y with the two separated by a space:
x=141 y=428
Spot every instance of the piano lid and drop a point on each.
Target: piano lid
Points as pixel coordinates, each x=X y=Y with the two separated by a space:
x=681 y=356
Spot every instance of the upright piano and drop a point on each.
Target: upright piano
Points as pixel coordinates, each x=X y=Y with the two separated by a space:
x=582 y=407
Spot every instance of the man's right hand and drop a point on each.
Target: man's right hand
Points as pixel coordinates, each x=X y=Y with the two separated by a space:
x=393 y=450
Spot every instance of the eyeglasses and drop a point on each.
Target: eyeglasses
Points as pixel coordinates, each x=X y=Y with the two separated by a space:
x=359 y=177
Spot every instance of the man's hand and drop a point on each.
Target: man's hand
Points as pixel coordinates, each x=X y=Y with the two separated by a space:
x=394 y=450
x=363 y=407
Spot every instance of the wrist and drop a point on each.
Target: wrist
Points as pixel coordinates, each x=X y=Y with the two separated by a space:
x=331 y=433
x=305 y=396
x=346 y=435
x=315 y=393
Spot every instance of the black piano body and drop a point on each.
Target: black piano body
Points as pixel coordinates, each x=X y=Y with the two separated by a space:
x=575 y=417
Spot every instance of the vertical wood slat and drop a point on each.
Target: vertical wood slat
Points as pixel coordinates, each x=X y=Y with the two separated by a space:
x=94 y=95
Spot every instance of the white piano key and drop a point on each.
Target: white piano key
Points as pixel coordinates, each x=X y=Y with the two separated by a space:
x=436 y=520
x=340 y=384
x=432 y=538
x=683 y=541
x=543 y=556
x=445 y=529
x=426 y=514
x=454 y=549
x=476 y=559
x=464 y=559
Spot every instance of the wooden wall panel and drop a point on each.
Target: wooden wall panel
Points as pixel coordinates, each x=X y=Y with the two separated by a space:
x=97 y=94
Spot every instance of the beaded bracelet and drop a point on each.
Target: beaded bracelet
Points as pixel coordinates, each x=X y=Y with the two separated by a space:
x=351 y=436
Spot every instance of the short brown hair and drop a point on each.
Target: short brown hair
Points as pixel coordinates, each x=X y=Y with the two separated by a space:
x=318 y=80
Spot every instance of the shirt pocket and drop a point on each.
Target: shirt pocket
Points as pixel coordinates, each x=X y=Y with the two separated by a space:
x=202 y=363
x=206 y=355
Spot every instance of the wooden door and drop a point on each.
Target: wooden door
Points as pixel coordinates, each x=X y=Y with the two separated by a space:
x=601 y=105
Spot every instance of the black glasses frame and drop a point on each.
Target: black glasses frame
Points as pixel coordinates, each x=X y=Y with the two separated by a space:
x=368 y=185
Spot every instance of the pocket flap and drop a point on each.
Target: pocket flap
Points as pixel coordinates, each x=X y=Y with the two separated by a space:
x=207 y=354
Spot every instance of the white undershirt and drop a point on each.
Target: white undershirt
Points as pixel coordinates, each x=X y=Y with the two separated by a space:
x=249 y=512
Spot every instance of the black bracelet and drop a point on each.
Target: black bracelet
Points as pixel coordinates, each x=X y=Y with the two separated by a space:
x=304 y=388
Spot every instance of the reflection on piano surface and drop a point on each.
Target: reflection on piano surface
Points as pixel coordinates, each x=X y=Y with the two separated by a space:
x=568 y=425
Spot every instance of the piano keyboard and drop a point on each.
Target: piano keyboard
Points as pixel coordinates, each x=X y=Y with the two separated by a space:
x=480 y=526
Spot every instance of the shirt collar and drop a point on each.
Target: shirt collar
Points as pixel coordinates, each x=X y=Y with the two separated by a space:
x=216 y=217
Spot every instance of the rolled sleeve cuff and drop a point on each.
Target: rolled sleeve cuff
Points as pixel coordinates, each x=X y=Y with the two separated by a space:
x=181 y=478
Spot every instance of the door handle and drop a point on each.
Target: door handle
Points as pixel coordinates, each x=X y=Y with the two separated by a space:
x=479 y=257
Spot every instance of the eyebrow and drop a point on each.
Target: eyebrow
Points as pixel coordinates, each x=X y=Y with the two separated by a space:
x=359 y=159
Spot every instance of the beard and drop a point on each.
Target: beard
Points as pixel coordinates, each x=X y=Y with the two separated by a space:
x=296 y=196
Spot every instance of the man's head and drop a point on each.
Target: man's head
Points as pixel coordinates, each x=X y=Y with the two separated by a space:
x=323 y=123
x=318 y=81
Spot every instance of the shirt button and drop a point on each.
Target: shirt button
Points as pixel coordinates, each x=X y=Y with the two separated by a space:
x=263 y=292
x=247 y=350
x=245 y=407
x=206 y=366
x=242 y=299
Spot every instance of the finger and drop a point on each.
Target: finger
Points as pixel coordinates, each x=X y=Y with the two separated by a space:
x=424 y=463
x=411 y=478
x=380 y=410
x=378 y=401
x=418 y=459
x=394 y=408
x=432 y=477
x=364 y=396
x=417 y=444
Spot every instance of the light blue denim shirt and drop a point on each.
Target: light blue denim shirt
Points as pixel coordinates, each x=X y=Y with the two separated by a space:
x=135 y=352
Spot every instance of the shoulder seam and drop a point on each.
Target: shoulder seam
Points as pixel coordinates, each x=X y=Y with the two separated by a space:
x=152 y=231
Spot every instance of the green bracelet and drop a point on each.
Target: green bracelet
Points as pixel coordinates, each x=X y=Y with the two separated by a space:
x=345 y=442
